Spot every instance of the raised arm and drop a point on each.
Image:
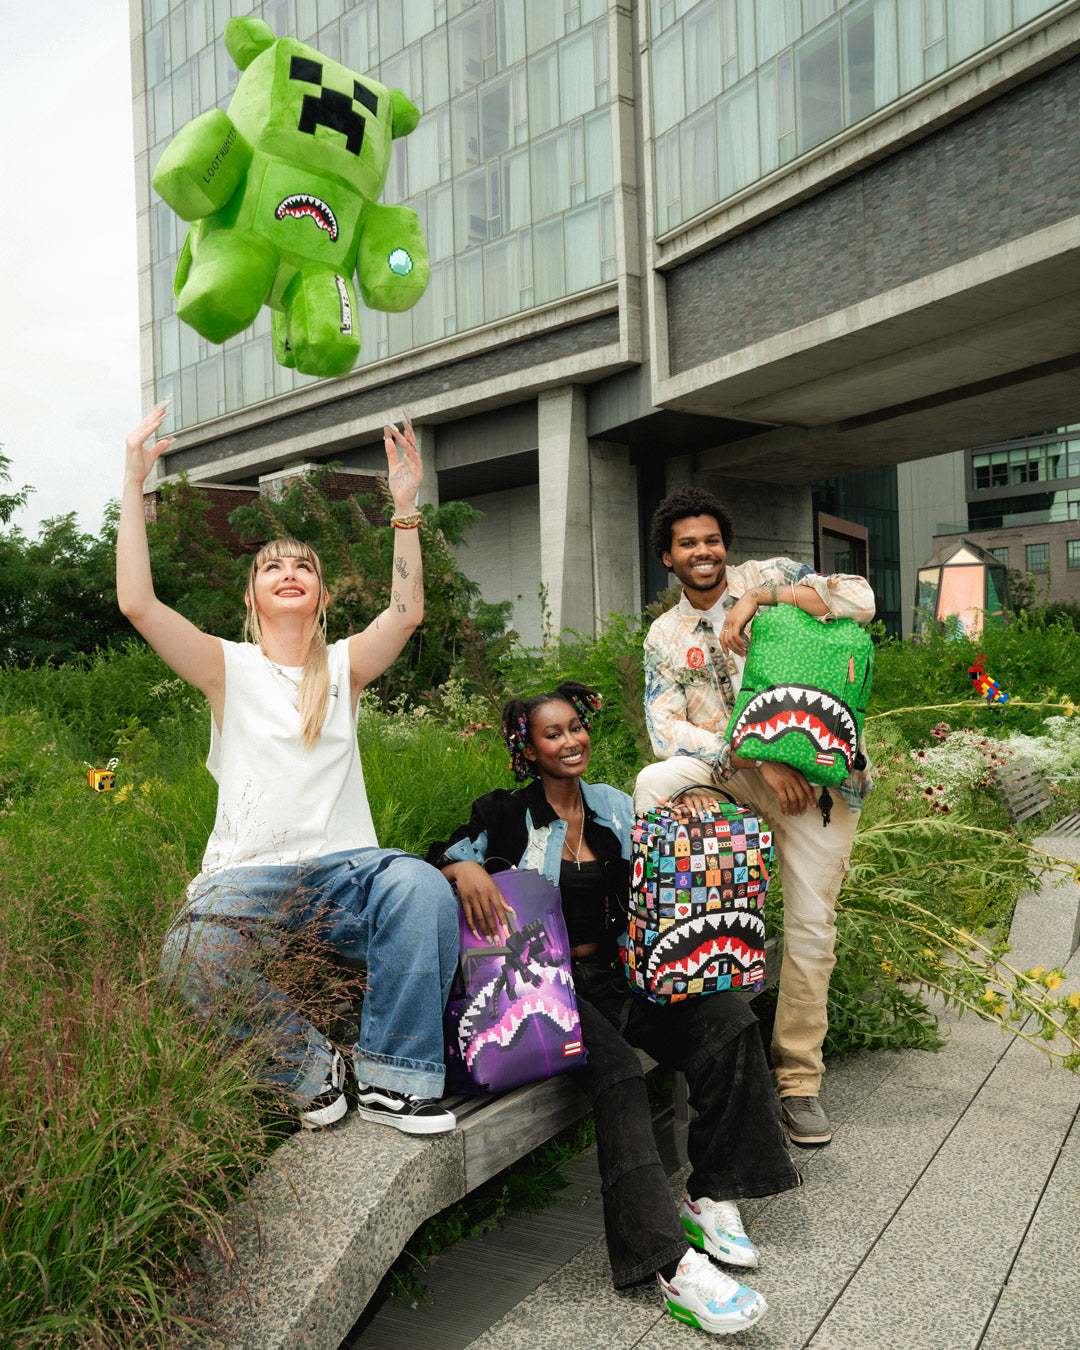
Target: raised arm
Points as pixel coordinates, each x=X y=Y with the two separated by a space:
x=193 y=654
x=382 y=641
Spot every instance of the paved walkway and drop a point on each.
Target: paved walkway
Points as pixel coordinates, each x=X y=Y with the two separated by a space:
x=945 y=1214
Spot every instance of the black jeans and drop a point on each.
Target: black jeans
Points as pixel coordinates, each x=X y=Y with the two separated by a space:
x=736 y=1145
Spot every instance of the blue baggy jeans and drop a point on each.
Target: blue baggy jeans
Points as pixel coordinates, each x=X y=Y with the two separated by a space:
x=736 y=1144
x=381 y=906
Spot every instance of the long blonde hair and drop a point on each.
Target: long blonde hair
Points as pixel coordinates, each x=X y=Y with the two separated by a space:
x=314 y=696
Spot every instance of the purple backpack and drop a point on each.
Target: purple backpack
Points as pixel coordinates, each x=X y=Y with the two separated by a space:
x=512 y=1016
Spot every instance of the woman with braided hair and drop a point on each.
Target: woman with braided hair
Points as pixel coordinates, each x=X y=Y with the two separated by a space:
x=578 y=834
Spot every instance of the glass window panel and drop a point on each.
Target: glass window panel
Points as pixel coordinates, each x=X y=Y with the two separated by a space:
x=779 y=24
x=660 y=173
x=502 y=290
x=607 y=228
x=510 y=31
x=436 y=70
x=549 y=280
x=1072 y=466
x=967 y=29
x=1072 y=553
x=543 y=78
x=576 y=78
x=163 y=118
x=815 y=12
x=178 y=52
x=736 y=139
x=698 y=154
x=466 y=59
x=1001 y=554
x=394 y=73
x=439 y=229
x=496 y=116
x=515 y=190
x=869 y=59
x=1038 y=557
x=181 y=95
x=550 y=175
x=582 y=233
x=592 y=9
x=703 y=63
x=543 y=23
x=933 y=21
x=601 y=59
x=668 y=80
x=417 y=18
x=470 y=290
x=234 y=379
x=400 y=329
x=156 y=59
x=598 y=162
x=161 y=285
x=307 y=20
x=577 y=152
x=785 y=94
x=767 y=133
x=328 y=42
x=226 y=74
x=207 y=388
x=1023 y=10
x=817 y=86
x=390 y=29
x=396 y=187
x=424 y=155
x=169 y=354
x=470 y=210
x=466 y=147
x=354 y=39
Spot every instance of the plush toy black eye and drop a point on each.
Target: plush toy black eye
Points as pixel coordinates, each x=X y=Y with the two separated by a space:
x=362 y=94
x=300 y=68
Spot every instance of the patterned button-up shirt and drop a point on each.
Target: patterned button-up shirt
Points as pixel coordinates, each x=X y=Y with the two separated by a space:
x=689 y=695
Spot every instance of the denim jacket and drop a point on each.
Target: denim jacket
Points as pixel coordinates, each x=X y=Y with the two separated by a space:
x=518 y=828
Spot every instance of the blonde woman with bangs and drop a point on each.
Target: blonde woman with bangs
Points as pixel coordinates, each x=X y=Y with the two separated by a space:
x=293 y=845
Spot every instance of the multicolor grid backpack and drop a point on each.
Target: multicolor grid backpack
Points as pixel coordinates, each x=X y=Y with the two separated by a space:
x=697 y=896
x=804 y=694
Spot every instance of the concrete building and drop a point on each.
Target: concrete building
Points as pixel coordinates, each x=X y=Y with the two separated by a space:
x=758 y=244
x=1023 y=505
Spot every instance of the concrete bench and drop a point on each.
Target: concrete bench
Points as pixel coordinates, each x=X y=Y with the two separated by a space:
x=1025 y=794
x=332 y=1210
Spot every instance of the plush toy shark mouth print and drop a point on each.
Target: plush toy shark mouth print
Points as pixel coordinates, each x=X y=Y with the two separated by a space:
x=826 y=721
x=547 y=998
x=681 y=952
x=301 y=204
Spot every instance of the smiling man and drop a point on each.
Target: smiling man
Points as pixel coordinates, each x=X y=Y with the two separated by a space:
x=694 y=657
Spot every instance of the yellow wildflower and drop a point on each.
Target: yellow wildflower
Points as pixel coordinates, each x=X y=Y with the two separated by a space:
x=122 y=793
x=1053 y=979
x=1035 y=973
x=989 y=994
x=1070 y=707
x=1074 y=1001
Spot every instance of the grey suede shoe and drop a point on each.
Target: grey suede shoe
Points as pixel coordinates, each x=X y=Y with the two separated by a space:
x=806 y=1120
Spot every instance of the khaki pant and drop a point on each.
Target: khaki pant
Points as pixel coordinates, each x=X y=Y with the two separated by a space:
x=813 y=860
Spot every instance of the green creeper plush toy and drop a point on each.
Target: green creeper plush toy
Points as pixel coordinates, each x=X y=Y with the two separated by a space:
x=283 y=190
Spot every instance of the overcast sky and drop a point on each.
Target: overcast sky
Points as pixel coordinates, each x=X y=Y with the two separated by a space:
x=69 y=340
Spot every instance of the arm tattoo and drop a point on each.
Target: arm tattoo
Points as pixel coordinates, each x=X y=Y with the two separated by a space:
x=400 y=568
x=418 y=589
x=397 y=602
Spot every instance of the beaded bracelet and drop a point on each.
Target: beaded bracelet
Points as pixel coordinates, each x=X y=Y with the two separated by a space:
x=410 y=522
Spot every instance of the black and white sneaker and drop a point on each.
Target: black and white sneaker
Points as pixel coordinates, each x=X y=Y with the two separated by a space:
x=411 y=1115
x=330 y=1104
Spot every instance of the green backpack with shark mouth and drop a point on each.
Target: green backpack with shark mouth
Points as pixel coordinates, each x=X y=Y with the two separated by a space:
x=804 y=694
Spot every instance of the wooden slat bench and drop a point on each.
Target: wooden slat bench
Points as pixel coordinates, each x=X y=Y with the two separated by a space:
x=1025 y=794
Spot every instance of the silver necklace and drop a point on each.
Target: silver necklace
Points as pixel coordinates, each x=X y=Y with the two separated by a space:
x=581 y=830
x=283 y=673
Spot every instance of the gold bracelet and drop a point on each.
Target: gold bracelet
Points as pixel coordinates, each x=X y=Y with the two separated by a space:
x=793 y=600
x=410 y=522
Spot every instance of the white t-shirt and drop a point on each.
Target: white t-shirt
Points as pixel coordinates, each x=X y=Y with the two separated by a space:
x=277 y=801
x=735 y=664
